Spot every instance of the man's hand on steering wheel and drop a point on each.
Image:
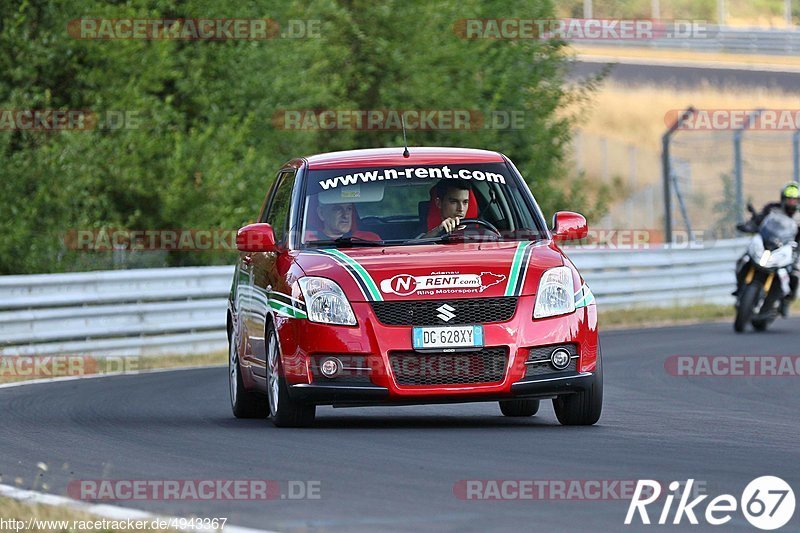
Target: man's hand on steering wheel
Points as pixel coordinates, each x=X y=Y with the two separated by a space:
x=448 y=225
x=461 y=223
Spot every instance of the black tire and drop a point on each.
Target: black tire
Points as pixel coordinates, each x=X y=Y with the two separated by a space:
x=761 y=324
x=519 y=407
x=286 y=412
x=244 y=403
x=582 y=408
x=745 y=308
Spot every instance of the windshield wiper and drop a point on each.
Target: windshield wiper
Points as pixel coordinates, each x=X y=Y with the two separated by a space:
x=347 y=241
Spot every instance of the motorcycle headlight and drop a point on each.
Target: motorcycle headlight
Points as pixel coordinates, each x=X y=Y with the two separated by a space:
x=779 y=258
x=556 y=295
x=756 y=249
x=326 y=302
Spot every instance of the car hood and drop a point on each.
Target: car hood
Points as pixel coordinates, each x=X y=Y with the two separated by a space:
x=434 y=271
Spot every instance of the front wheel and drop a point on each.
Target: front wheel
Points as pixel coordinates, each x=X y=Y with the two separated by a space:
x=285 y=411
x=745 y=308
x=582 y=408
x=519 y=407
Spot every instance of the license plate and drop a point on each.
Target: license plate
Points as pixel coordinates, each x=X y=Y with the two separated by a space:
x=448 y=337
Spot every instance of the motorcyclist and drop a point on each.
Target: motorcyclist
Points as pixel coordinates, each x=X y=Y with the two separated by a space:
x=790 y=196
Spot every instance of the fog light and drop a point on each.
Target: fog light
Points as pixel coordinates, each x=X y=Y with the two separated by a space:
x=330 y=367
x=560 y=358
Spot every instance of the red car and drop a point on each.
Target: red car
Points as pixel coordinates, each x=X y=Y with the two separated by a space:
x=383 y=277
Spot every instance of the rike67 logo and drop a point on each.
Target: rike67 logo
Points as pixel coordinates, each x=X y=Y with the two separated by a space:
x=767 y=503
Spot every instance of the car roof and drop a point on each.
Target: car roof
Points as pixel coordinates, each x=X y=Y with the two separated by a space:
x=379 y=157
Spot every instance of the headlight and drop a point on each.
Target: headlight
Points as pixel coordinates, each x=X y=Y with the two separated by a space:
x=326 y=302
x=556 y=295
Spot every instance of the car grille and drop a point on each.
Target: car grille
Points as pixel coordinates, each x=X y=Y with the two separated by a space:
x=545 y=368
x=425 y=312
x=484 y=366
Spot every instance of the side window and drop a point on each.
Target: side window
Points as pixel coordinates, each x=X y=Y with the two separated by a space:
x=278 y=211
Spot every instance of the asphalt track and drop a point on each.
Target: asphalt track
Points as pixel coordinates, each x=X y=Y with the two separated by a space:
x=688 y=77
x=394 y=469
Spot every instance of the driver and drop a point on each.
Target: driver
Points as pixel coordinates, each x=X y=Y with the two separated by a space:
x=337 y=221
x=452 y=199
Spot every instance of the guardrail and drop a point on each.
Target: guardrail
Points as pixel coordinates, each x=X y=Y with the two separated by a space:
x=661 y=277
x=720 y=39
x=122 y=312
x=182 y=310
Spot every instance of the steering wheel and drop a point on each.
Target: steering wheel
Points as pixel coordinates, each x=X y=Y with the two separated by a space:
x=477 y=222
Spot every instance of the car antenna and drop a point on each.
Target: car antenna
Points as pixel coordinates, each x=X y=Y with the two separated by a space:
x=405 y=143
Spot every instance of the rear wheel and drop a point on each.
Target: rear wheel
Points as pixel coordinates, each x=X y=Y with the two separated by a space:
x=582 y=408
x=519 y=407
x=745 y=308
x=244 y=403
x=285 y=411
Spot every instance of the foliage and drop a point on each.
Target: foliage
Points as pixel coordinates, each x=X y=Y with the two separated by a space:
x=203 y=149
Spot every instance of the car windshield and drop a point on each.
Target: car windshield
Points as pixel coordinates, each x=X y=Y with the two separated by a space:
x=407 y=205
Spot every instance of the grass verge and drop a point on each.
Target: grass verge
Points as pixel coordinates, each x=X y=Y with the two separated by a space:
x=37 y=518
x=671 y=316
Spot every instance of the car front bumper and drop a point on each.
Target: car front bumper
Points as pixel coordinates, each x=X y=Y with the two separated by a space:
x=302 y=341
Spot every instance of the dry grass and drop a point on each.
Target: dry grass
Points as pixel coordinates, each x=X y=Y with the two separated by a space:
x=671 y=316
x=13 y=509
x=627 y=318
x=636 y=115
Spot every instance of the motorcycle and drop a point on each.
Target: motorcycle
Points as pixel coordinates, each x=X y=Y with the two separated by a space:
x=771 y=254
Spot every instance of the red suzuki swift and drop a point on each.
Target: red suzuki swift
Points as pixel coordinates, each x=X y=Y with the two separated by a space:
x=383 y=277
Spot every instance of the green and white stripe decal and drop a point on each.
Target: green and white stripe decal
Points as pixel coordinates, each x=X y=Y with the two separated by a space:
x=357 y=272
x=282 y=304
x=584 y=296
x=519 y=267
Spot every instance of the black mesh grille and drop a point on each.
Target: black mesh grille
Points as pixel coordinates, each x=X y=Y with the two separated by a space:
x=485 y=366
x=545 y=368
x=424 y=312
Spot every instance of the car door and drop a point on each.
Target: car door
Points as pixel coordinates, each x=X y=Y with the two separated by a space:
x=268 y=268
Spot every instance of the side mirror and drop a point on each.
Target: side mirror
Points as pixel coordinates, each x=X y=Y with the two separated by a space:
x=569 y=226
x=256 y=238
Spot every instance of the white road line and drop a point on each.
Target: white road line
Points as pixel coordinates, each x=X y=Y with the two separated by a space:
x=112 y=512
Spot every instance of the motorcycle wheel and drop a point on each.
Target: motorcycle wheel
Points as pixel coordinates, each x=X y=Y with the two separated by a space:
x=745 y=308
